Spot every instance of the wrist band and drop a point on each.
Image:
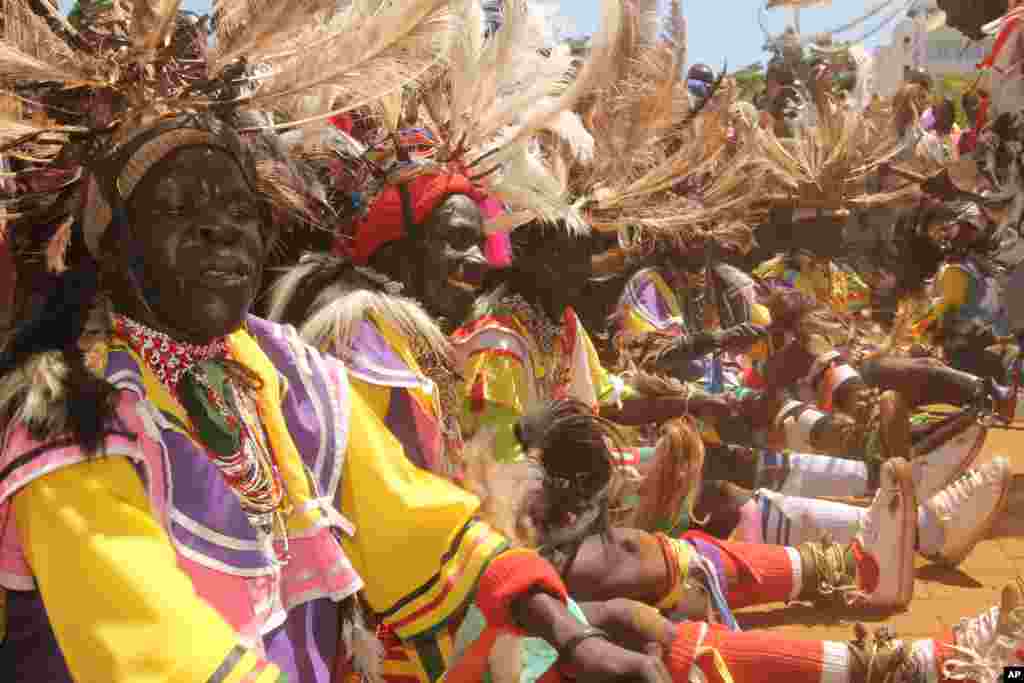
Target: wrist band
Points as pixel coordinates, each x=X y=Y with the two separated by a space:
x=565 y=652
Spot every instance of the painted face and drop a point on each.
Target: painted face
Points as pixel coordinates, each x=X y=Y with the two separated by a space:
x=203 y=236
x=452 y=259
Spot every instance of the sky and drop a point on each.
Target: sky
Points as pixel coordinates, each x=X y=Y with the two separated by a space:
x=719 y=30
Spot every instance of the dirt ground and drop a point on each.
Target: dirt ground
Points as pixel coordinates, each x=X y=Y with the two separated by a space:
x=941 y=596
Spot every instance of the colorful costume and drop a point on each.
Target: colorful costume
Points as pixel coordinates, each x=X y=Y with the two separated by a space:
x=417 y=406
x=967 y=313
x=830 y=283
x=307 y=407
x=246 y=591
x=660 y=300
x=512 y=357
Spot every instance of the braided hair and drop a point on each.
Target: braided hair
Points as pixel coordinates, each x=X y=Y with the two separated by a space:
x=572 y=446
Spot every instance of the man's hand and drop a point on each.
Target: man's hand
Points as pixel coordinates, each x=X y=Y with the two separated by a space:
x=592 y=659
x=601 y=661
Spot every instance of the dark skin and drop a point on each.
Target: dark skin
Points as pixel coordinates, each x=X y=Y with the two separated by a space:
x=204 y=248
x=554 y=272
x=439 y=267
x=637 y=626
x=626 y=563
x=451 y=235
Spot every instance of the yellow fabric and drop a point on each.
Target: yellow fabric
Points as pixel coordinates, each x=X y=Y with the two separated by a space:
x=107 y=572
x=496 y=378
x=599 y=376
x=407 y=664
x=843 y=291
x=244 y=349
x=635 y=323
x=399 y=343
x=423 y=515
x=760 y=315
x=293 y=471
x=497 y=386
x=954 y=286
x=496 y=393
x=682 y=554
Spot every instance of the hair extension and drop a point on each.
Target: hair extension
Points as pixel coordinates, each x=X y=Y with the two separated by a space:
x=673 y=483
x=572 y=445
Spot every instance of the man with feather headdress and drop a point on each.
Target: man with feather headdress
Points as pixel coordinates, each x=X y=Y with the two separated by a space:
x=251 y=492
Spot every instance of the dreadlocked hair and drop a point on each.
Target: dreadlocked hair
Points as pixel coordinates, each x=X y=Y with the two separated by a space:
x=573 y=447
x=673 y=483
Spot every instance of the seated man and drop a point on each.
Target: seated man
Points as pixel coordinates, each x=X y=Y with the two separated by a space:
x=523 y=342
x=252 y=493
x=569 y=513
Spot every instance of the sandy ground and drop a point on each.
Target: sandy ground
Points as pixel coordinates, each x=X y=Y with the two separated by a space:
x=941 y=596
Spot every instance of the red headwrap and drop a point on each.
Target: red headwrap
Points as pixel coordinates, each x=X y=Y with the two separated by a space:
x=385 y=221
x=342 y=122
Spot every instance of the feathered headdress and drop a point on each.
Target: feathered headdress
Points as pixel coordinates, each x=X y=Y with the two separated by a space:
x=657 y=169
x=479 y=120
x=144 y=69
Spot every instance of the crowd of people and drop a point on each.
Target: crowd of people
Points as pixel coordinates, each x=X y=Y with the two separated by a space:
x=392 y=341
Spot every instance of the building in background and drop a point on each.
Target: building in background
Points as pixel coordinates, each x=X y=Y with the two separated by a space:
x=923 y=41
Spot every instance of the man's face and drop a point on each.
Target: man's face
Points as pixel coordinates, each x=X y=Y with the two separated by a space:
x=201 y=231
x=453 y=235
x=560 y=263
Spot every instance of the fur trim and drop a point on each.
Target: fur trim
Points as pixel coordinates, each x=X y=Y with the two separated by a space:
x=34 y=393
x=335 y=322
x=362 y=644
x=501 y=488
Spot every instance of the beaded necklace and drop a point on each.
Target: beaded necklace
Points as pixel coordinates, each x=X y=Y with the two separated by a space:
x=545 y=333
x=233 y=437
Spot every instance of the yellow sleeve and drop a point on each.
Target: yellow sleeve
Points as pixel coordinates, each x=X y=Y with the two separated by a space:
x=954 y=285
x=496 y=394
x=760 y=315
x=107 y=572
x=635 y=324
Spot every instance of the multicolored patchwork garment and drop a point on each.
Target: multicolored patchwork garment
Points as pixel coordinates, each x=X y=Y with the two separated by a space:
x=831 y=284
x=158 y=525
x=663 y=300
x=410 y=390
x=513 y=357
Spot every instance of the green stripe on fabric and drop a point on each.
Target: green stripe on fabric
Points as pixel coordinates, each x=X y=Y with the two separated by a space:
x=228 y=665
x=431 y=659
